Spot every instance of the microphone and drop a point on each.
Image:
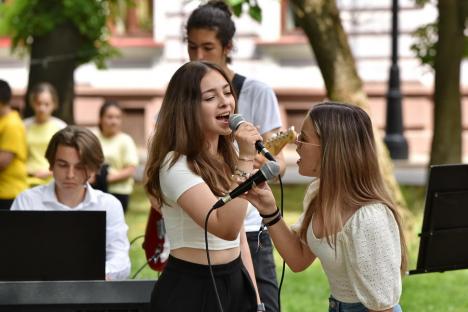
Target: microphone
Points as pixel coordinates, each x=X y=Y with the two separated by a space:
x=267 y=172
x=235 y=120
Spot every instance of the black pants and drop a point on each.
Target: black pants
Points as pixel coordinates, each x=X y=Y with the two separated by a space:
x=186 y=286
x=264 y=266
x=5 y=204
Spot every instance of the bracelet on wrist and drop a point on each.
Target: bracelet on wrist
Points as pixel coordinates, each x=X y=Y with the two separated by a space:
x=270 y=214
x=267 y=220
x=241 y=173
x=274 y=221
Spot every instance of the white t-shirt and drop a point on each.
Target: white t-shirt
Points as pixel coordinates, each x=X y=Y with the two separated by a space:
x=117 y=246
x=181 y=229
x=365 y=265
x=257 y=103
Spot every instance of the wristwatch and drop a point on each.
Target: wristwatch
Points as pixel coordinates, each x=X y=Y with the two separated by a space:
x=261 y=307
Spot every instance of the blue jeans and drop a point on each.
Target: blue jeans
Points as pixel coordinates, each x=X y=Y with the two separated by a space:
x=264 y=266
x=338 y=306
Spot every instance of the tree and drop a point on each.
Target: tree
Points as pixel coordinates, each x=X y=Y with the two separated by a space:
x=321 y=23
x=447 y=139
x=442 y=45
x=59 y=36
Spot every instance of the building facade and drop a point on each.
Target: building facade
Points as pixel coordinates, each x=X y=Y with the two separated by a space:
x=151 y=40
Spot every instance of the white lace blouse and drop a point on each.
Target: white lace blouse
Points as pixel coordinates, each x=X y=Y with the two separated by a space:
x=365 y=265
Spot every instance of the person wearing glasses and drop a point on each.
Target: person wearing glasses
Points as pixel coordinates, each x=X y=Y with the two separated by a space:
x=350 y=222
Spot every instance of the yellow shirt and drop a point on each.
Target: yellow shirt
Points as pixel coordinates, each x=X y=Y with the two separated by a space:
x=119 y=152
x=13 y=139
x=37 y=138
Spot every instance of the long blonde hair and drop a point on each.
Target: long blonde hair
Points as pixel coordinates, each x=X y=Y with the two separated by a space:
x=179 y=129
x=349 y=172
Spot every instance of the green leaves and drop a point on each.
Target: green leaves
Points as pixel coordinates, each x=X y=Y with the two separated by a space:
x=426 y=37
x=237 y=9
x=23 y=20
x=255 y=11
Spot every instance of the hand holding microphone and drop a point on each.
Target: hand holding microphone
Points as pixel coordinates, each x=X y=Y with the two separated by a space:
x=245 y=135
x=235 y=121
x=262 y=198
x=270 y=170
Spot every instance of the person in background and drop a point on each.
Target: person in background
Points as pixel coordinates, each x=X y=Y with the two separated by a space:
x=12 y=150
x=192 y=161
x=39 y=129
x=74 y=155
x=350 y=222
x=210 y=32
x=120 y=153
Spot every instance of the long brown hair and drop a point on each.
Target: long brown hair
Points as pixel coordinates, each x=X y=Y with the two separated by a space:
x=179 y=129
x=349 y=172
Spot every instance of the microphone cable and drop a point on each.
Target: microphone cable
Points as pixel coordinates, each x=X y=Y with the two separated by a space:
x=135 y=239
x=140 y=269
x=153 y=258
x=284 y=263
x=145 y=264
x=208 y=252
x=209 y=261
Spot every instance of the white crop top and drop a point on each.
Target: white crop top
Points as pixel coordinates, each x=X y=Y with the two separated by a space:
x=181 y=230
x=365 y=265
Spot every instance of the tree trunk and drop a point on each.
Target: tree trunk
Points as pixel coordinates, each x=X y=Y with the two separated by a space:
x=320 y=20
x=54 y=60
x=447 y=139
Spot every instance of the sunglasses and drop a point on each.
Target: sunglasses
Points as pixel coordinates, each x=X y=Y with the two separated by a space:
x=299 y=142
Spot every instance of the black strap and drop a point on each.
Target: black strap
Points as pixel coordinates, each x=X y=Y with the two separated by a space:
x=237 y=83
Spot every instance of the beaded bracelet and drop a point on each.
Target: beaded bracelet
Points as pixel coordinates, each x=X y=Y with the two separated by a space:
x=241 y=173
x=238 y=178
x=274 y=221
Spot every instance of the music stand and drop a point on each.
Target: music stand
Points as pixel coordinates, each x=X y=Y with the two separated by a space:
x=444 y=234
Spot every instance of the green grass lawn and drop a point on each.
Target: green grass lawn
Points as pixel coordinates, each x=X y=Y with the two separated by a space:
x=308 y=290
